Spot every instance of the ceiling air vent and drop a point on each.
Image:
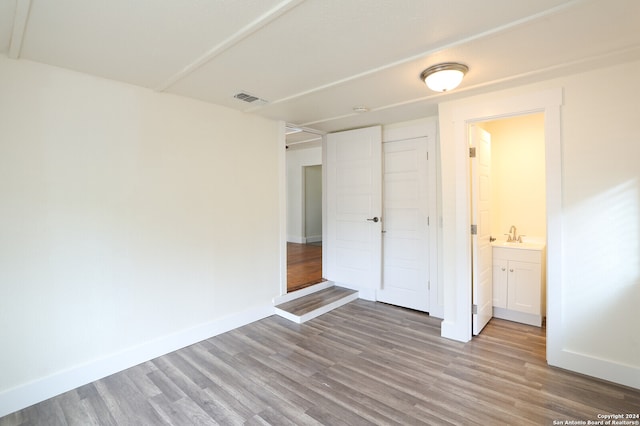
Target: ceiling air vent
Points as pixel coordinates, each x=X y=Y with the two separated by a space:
x=249 y=98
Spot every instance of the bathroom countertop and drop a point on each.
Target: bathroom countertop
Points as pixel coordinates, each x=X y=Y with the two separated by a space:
x=527 y=245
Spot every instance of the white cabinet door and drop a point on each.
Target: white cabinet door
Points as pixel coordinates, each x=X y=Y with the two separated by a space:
x=354 y=208
x=517 y=285
x=524 y=287
x=500 y=283
x=405 y=245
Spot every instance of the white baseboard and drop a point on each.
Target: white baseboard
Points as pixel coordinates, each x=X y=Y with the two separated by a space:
x=452 y=330
x=313 y=239
x=295 y=239
x=510 y=315
x=604 y=369
x=41 y=389
x=366 y=293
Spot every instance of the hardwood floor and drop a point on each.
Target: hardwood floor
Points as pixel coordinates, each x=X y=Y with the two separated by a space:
x=363 y=363
x=304 y=265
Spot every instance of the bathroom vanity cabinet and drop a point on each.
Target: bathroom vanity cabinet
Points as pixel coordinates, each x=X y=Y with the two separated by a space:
x=518 y=283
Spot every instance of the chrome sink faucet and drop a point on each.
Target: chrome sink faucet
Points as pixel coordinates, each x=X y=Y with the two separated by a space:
x=512 y=234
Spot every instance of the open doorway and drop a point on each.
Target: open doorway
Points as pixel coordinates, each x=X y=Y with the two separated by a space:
x=304 y=209
x=454 y=119
x=515 y=216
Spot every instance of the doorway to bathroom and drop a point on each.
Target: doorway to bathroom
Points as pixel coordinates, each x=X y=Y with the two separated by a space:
x=508 y=202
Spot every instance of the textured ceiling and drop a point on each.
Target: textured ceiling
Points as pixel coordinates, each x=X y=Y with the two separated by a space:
x=314 y=60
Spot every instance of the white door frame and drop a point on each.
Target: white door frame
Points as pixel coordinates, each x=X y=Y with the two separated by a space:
x=456 y=253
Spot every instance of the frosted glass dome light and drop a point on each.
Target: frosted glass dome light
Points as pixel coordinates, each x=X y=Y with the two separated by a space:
x=444 y=77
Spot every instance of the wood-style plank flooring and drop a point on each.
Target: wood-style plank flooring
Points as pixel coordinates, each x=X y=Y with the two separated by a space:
x=363 y=363
x=304 y=265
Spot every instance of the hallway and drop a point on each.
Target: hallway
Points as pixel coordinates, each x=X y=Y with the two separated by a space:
x=304 y=265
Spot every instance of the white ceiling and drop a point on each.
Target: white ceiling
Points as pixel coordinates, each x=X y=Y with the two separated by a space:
x=314 y=60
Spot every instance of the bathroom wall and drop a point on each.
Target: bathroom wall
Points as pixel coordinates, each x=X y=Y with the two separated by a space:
x=518 y=176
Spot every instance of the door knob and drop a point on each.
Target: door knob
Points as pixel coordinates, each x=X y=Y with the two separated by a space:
x=374 y=219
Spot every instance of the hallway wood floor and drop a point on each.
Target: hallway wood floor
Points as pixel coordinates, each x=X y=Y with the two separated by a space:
x=363 y=363
x=304 y=265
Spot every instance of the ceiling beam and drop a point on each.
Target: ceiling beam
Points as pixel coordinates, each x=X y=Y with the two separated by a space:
x=612 y=57
x=244 y=32
x=425 y=54
x=19 y=24
x=304 y=129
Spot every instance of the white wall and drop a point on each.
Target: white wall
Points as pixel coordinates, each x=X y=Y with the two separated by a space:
x=127 y=221
x=297 y=159
x=313 y=203
x=518 y=176
x=592 y=316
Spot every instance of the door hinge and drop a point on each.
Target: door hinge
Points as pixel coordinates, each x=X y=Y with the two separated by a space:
x=474 y=229
x=428 y=285
x=428 y=224
x=474 y=309
x=472 y=152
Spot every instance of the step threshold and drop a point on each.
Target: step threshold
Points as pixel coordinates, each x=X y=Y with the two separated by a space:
x=315 y=304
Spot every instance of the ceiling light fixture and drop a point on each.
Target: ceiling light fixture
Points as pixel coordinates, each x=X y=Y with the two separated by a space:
x=444 y=77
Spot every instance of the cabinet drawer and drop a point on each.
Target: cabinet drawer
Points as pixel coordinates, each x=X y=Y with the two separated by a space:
x=520 y=255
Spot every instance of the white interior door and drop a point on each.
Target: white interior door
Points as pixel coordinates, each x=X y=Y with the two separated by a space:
x=354 y=208
x=482 y=268
x=405 y=245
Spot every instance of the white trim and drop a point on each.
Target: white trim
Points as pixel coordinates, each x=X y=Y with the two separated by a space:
x=324 y=204
x=555 y=252
x=302 y=292
x=287 y=315
x=282 y=204
x=451 y=330
x=39 y=390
